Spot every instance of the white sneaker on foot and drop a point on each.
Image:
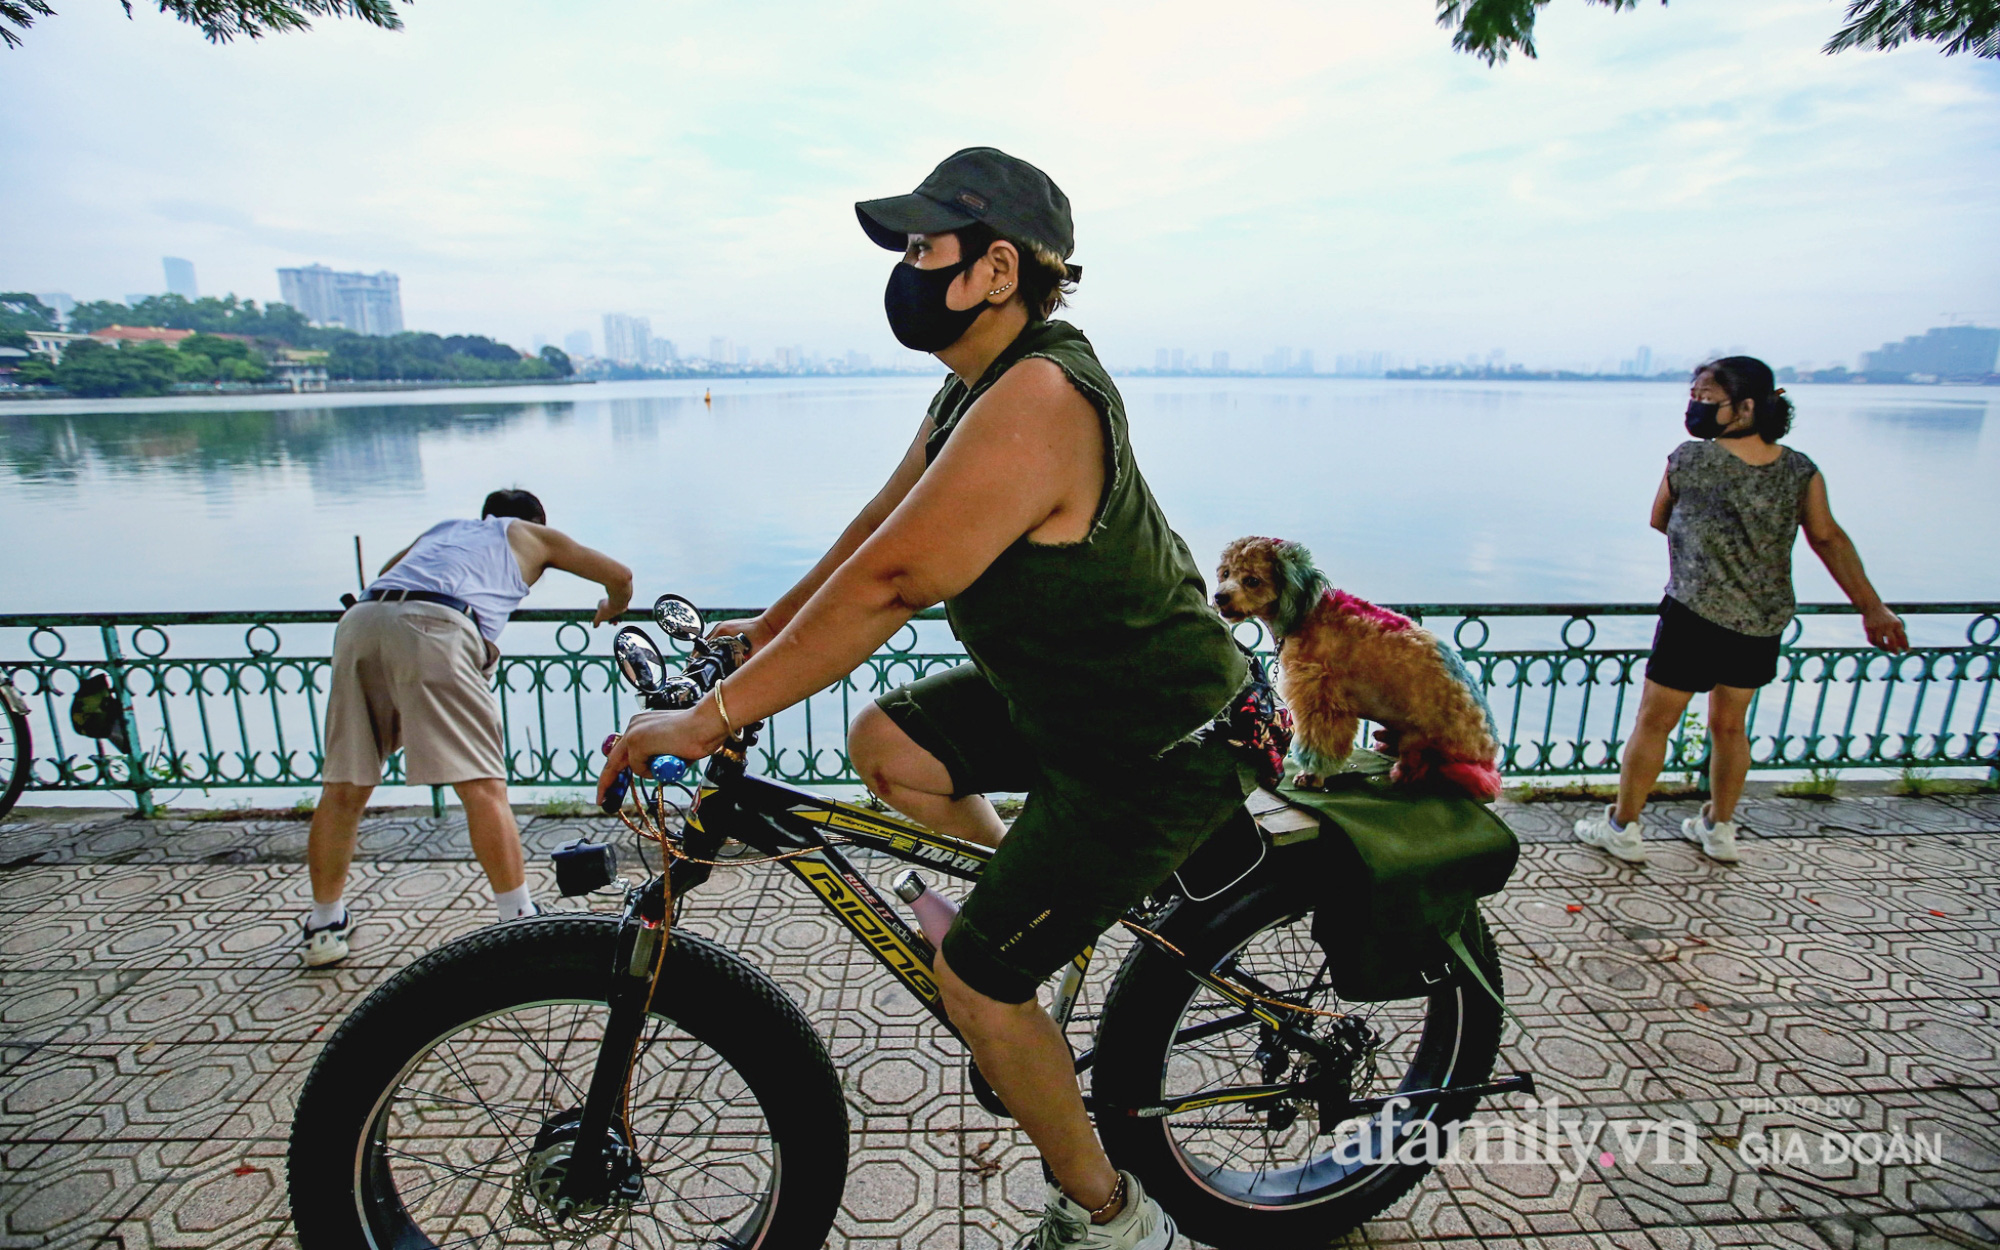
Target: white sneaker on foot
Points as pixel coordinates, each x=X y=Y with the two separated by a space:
x=1717 y=841
x=1066 y=1225
x=1598 y=831
x=328 y=943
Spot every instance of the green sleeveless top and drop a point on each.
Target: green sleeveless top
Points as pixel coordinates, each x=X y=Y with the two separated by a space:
x=1105 y=648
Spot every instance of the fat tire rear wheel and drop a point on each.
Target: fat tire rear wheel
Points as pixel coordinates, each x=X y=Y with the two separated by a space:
x=1204 y=1167
x=404 y=1119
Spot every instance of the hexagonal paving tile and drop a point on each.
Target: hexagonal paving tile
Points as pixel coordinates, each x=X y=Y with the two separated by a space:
x=155 y=1027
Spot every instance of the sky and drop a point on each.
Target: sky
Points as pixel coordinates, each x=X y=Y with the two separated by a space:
x=1319 y=174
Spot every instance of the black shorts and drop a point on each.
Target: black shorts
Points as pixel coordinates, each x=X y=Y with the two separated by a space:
x=1091 y=842
x=1693 y=654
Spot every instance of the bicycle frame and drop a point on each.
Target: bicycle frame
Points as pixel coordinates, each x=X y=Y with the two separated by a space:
x=783 y=820
x=779 y=819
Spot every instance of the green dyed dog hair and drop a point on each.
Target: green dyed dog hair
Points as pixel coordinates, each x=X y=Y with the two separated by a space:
x=1301 y=585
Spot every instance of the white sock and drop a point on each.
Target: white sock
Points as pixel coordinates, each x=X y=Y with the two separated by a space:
x=514 y=904
x=324 y=914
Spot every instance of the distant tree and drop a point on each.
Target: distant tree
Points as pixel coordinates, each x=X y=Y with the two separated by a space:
x=95 y=314
x=558 y=359
x=22 y=311
x=90 y=368
x=209 y=314
x=211 y=358
x=1490 y=29
x=480 y=347
x=223 y=20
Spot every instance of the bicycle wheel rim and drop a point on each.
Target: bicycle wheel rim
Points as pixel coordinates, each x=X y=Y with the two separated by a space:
x=1422 y=1042
x=470 y=1200
x=15 y=755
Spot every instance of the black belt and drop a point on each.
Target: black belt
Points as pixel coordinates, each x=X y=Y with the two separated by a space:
x=399 y=595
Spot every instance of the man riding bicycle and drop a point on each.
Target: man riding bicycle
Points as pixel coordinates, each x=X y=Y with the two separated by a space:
x=1096 y=661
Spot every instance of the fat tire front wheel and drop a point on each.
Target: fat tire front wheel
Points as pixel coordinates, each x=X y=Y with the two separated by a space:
x=438 y=1113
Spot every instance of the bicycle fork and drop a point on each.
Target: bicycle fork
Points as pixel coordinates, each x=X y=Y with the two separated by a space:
x=589 y=1179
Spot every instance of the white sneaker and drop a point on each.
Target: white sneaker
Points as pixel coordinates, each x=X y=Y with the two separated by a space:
x=1717 y=841
x=1066 y=1225
x=328 y=944
x=1598 y=831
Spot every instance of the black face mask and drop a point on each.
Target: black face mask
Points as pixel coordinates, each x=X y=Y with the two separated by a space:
x=1701 y=422
x=918 y=315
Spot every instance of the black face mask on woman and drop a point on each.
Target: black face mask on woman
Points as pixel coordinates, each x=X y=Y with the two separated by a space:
x=918 y=315
x=1701 y=422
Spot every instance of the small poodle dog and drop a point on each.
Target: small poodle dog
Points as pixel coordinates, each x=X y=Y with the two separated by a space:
x=1343 y=660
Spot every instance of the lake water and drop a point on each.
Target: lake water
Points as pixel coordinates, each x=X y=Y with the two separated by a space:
x=1406 y=491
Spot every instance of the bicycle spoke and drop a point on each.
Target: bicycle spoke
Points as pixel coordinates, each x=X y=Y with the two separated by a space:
x=1279 y=1153
x=460 y=1127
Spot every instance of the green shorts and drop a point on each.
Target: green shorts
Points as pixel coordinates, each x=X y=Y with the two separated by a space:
x=1091 y=842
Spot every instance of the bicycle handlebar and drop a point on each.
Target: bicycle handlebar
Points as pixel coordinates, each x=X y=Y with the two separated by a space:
x=712 y=660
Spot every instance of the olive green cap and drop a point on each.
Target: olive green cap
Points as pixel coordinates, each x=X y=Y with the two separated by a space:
x=977 y=184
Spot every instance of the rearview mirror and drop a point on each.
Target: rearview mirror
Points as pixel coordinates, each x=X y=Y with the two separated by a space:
x=680 y=618
x=639 y=660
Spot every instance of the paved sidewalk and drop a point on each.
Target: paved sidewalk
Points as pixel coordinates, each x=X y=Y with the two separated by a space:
x=155 y=1026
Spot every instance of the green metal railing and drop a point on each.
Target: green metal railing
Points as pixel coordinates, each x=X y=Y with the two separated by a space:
x=244 y=711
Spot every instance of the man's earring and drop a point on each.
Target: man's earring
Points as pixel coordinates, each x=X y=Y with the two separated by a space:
x=1000 y=290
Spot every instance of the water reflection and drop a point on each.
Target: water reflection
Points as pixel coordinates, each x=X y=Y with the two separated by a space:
x=344 y=445
x=1951 y=417
x=1408 y=491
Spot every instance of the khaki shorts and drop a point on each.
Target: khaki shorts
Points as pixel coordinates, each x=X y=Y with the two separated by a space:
x=418 y=676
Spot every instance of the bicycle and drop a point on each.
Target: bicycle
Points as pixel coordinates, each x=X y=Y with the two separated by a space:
x=581 y=1079
x=17 y=745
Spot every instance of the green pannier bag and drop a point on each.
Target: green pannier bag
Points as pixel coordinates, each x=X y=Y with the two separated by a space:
x=1403 y=873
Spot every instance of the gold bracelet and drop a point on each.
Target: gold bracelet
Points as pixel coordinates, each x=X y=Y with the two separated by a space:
x=728 y=730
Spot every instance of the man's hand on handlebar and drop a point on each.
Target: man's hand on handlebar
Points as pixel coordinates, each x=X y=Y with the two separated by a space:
x=756 y=628
x=691 y=734
x=609 y=611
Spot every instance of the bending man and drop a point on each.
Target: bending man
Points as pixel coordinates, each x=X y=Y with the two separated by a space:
x=413 y=666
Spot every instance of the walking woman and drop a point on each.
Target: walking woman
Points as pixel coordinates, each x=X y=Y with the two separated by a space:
x=1731 y=505
x=1096 y=660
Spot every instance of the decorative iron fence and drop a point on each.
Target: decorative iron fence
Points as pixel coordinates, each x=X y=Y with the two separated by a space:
x=234 y=709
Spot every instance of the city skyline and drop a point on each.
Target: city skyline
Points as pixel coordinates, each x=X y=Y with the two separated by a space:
x=1943 y=351
x=1682 y=177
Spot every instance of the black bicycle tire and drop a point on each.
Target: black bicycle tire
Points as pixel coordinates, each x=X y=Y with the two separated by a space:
x=24 y=758
x=710 y=992
x=1144 y=1005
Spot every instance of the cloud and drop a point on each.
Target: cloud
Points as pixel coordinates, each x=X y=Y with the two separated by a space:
x=1328 y=175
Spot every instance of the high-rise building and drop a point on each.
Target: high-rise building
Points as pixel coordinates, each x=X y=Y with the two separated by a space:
x=61 y=301
x=627 y=339
x=180 y=277
x=366 y=303
x=577 y=343
x=1305 y=364
x=1218 y=362
x=1944 y=352
x=718 y=350
x=662 y=353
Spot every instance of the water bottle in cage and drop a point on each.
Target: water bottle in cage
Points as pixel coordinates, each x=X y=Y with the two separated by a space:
x=934 y=911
